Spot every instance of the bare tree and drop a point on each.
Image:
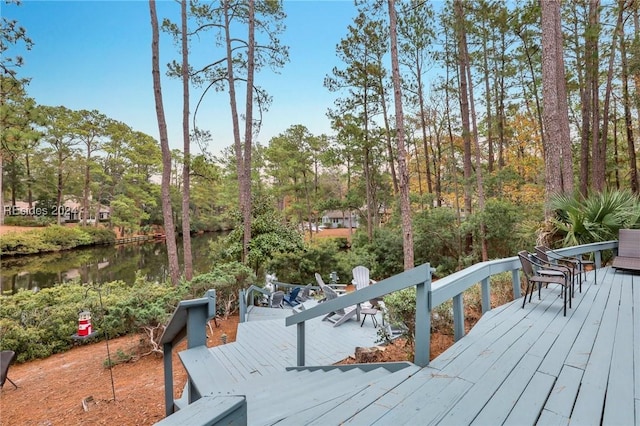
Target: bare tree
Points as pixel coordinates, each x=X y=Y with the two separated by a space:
x=167 y=213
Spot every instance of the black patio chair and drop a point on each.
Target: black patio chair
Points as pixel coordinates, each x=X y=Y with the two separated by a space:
x=577 y=263
x=6 y=358
x=540 y=276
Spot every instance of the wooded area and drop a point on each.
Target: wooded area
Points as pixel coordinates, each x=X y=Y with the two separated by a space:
x=455 y=105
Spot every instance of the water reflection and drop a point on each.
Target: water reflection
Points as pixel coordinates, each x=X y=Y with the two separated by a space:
x=98 y=264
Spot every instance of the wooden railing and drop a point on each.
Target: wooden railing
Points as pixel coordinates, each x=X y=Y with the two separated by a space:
x=430 y=295
x=246 y=296
x=188 y=321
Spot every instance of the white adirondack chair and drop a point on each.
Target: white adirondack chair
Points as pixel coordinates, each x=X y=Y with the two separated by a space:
x=341 y=315
x=360 y=277
x=361 y=280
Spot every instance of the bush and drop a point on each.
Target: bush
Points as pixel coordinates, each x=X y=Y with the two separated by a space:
x=300 y=266
x=437 y=239
x=227 y=279
x=386 y=250
x=401 y=306
x=596 y=218
x=37 y=325
x=53 y=238
x=35 y=221
x=100 y=235
x=64 y=237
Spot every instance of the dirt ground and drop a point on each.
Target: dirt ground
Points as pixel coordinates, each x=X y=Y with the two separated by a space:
x=6 y=229
x=51 y=391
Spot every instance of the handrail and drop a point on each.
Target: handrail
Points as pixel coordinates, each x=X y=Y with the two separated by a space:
x=450 y=287
x=244 y=299
x=419 y=276
x=244 y=295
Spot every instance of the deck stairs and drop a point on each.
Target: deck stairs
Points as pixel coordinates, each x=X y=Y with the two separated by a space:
x=307 y=395
x=258 y=368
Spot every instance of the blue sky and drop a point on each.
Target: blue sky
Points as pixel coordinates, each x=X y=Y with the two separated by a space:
x=97 y=55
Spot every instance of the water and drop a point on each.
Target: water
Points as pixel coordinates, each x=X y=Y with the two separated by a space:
x=99 y=264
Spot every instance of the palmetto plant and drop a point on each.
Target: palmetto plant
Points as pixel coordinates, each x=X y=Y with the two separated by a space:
x=597 y=217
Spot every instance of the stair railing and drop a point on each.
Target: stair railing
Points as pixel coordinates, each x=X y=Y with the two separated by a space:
x=188 y=321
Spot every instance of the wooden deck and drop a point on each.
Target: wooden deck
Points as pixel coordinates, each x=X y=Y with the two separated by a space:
x=264 y=345
x=516 y=366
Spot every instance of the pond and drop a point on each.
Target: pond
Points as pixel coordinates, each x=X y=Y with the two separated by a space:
x=99 y=264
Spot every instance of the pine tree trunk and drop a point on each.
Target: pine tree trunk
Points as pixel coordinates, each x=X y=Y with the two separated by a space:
x=186 y=165
x=248 y=135
x=633 y=165
x=552 y=147
x=167 y=213
x=405 y=206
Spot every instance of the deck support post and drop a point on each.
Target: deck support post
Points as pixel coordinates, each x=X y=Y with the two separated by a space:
x=300 y=344
x=423 y=321
x=598 y=259
x=458 y=317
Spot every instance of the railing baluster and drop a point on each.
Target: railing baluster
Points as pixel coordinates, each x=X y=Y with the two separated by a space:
x=423 y=321
x=458 y=317
x=515 y=280
x=486 y=295
x=300 y=343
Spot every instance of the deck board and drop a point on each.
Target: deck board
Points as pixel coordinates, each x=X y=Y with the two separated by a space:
x=526 y=410
x=620 y=386
x=590 y=401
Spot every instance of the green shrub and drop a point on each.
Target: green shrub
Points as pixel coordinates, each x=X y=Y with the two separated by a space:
x=65 y=237
x=401 y=306
x=53 y=238
x=596 y=218
x=386 y=250
x=24 y=243
x=37 y=325
x=299 y=266
x=100 y=235
x=34 y=221
x=227 y=279
x=121 y=357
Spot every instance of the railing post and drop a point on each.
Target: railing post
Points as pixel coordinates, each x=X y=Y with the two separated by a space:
x=196 y=336
x=486 y=295
x=300 y=344
x=515 y=280
x=423 y=321
x=167 y=351
x=598 y=259
x=458 y=317
x=243 y=305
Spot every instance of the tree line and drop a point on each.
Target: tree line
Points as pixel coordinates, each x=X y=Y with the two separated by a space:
x=440 y=105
